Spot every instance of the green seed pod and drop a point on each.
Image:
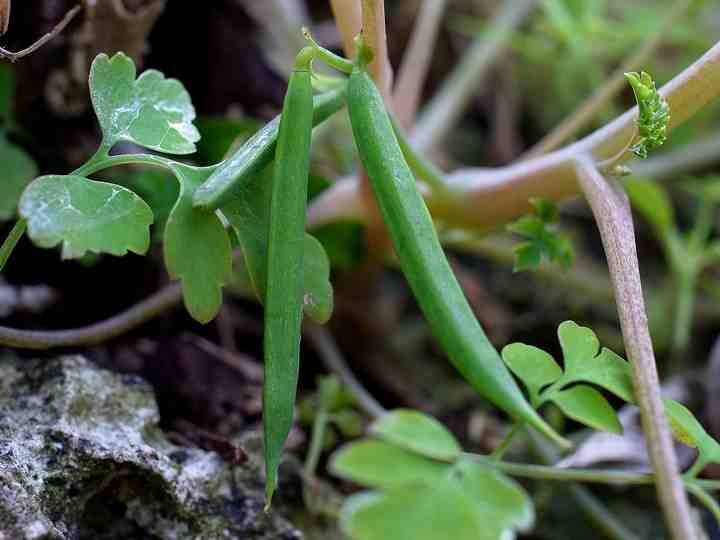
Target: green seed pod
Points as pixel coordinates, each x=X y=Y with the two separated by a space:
x=257 y=152
x=422 y=259
x=286 y=241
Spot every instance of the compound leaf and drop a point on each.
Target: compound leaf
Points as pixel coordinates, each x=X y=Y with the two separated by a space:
x=197 y=248
x=469 y=502
x=545 y=380
x=588 y=406
x=544 y=238
x=689 y=431
x=151 y=111
x=415 y=513
x=378 y=464
x=85 y=216
x=579 y=344
x=509 y=506
x=533 y=366
x=417 y=433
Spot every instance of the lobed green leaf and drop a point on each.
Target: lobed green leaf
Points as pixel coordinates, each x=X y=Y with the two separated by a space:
x=379 y=464
x=418 y=433
x=197 y=248
x=583 y=363
x=588 y=406
x=151 y=111
x=533 y=366
x=85 y=216
x=544 y=238
x=469 y=501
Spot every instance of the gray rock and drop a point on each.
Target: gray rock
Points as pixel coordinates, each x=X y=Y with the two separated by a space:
x=81 y=456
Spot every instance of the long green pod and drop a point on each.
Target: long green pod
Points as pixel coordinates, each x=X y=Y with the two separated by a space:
x=285 y=276
x=256 y=153
x=422 y=259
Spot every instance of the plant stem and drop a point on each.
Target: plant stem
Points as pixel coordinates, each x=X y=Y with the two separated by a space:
x=16 y=233
x=686 y=282
x=446 y=107
x=705 y=498
x=595 y=510
x=316 y=443
x=588 y=476
x=98 y=164
x=59 y=27
x=97 y=332
x=589 y=108
x=486 y=198
x=697 y=155
x=612 y=213
x=416 y=61
x=333 y=359
x=424 y=168
x=499 y=452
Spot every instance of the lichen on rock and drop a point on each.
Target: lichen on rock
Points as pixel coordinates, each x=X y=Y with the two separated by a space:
x=82 y=456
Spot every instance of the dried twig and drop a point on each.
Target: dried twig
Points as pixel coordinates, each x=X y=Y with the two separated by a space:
x=15 y=56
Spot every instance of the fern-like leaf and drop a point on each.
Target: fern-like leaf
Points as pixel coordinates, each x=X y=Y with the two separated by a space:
x=654 y=113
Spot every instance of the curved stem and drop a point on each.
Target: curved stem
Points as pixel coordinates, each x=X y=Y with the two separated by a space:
x=67 y=19
x=329 y=57
x=98 y=164
x=589 y=108
x=705 y=498
x=499 y=452
x=612 y=213
x=317 y=441
x=16 y=233
x=489 y=197
x=588 y=476
x=595 y=510
x=424 y=168
x=95 y=333
x=334 y=362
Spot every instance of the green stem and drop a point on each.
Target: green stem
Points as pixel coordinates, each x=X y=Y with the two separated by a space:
x=330 y=58
x=499 y=452
x=11 y=241
x=606 y=522
x=425 y=169
x=99 y=163
x=316 y=443
x=686 y=282
x=702 y=227
x=590 y=476
x=706 y=499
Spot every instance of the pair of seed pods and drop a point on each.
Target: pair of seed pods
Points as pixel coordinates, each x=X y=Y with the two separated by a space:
x=411 y=229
